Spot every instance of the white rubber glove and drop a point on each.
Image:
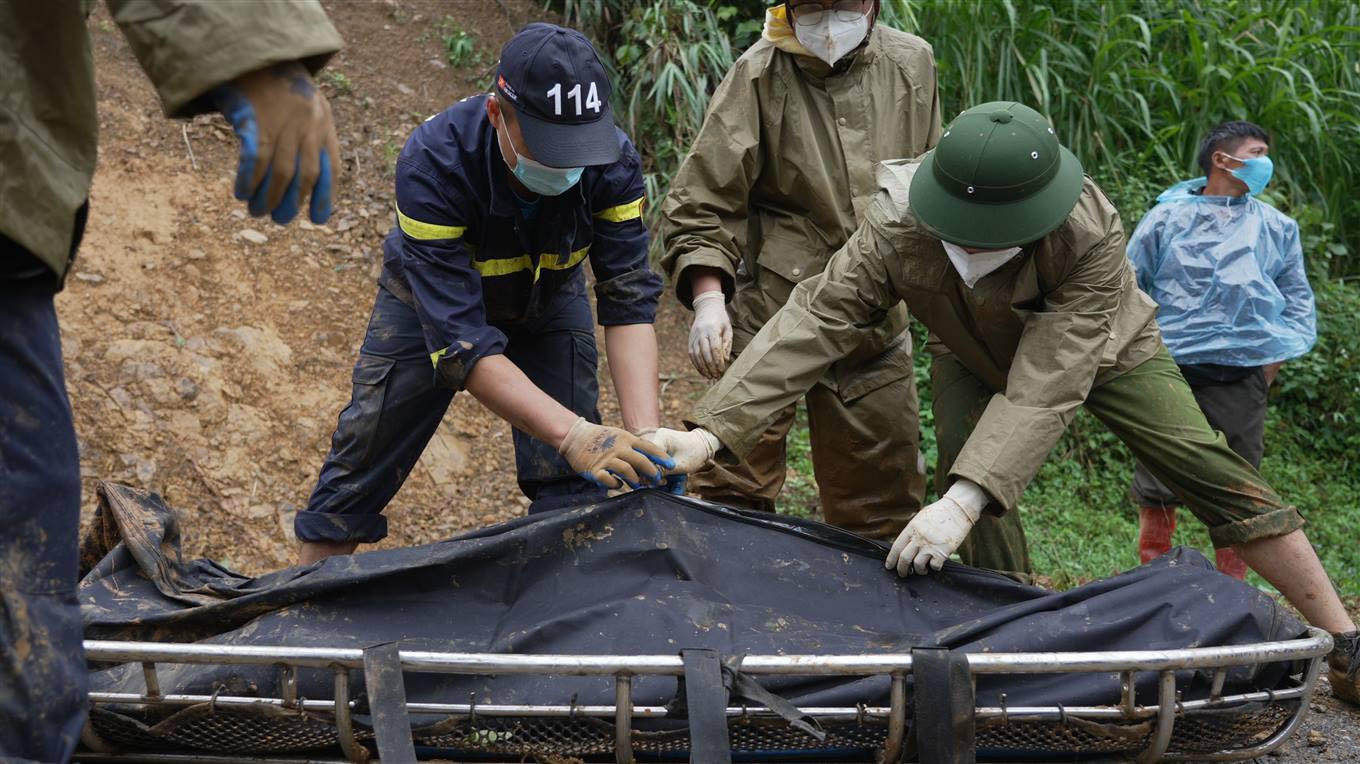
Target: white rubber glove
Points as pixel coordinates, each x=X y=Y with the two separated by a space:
x=937 y=530
x=710 y=336
x=691 y=451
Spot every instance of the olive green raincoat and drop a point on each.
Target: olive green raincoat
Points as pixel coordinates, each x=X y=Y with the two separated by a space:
x=1040 y=331
x=777 y=180
x=48 y=124
x=783 y=170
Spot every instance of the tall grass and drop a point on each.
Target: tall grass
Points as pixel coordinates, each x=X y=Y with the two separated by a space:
x=666 y=57
x=1131 y=85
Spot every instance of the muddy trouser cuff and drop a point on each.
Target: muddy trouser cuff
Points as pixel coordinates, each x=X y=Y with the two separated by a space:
x=1274 y=523
x=325 y=526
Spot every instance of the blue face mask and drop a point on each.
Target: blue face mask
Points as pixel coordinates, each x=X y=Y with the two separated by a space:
x=542 y=179
x=1255 y=172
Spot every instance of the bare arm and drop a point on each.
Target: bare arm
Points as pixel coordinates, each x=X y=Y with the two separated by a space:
x=631 y=349
x=1272 y=369
x=499 y=385
x=703 y=278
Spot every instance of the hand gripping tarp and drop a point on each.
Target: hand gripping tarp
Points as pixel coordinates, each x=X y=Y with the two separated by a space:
x=648 y=573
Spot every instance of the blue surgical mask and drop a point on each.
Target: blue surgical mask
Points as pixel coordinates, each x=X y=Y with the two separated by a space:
x=542 y=179
x=1254 y=172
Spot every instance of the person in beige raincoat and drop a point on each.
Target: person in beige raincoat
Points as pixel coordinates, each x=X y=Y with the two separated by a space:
x=251 y=61
x=1015 y=262
x=777 y=180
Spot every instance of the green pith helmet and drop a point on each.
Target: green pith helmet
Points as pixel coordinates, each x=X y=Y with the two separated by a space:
x=998 y=178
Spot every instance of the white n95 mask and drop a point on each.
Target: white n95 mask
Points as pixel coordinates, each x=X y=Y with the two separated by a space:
x=973 y=266
x=829 y=36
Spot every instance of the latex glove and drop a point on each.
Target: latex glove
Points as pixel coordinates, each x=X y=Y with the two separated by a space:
x=611 y=458
x=289 y=150
x=937 y=530
x=710 y=336
x=691 y=451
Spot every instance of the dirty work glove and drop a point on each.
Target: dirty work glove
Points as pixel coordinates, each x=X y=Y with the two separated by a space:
x=691 y=451
x=710 y=336
x=937 y=530
x=610 y=457
x=289 y=150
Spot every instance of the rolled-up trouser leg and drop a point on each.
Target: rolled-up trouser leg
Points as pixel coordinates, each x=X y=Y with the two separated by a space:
x=559 y=357
x=393 y=411
x=753 y=482
x=996 y=542
x=866 y=453
x=43 y=678
x=1151 y=409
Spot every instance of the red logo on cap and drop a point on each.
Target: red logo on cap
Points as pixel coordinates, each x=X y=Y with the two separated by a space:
x=505 y=88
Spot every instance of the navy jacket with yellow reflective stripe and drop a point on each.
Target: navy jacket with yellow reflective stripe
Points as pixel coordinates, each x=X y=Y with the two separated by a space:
x=472 y=262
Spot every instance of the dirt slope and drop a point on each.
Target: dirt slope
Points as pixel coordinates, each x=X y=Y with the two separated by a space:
x=208 y=362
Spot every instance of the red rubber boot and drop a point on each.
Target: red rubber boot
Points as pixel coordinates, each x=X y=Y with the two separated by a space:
x=1155 y=526
x=1230 y=564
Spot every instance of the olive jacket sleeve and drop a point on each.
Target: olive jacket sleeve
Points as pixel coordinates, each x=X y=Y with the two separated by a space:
x=704 y=217
x=188 y=48
x=825 y=319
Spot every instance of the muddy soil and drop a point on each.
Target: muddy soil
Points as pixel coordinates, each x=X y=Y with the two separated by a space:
x=208 y=353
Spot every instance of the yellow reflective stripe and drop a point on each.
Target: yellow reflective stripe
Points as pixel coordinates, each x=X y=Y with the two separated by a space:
x=504 y=266
x=428 y=231
x=438 y=354
x=552 y=262
x=622 y=213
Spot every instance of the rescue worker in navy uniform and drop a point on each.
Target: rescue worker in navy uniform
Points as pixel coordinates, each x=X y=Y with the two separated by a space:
x=500 y=200
x=256 y=69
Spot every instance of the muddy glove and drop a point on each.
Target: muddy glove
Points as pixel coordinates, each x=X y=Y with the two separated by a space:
x=710 y=336
x=289 y=149
x=610 y=457
x=937 y=530
x=691 y=451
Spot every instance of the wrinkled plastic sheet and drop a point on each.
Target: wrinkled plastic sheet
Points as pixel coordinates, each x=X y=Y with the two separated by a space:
x=647 y=573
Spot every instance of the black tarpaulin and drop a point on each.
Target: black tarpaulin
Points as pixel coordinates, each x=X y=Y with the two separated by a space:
x=647 y=573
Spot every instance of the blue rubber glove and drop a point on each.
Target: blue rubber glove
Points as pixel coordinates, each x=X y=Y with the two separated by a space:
x=288 y=142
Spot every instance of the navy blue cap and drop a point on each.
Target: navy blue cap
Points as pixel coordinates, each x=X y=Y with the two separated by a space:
x=560 y=93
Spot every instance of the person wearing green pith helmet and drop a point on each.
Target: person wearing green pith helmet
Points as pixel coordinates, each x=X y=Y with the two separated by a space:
x=1014 y=260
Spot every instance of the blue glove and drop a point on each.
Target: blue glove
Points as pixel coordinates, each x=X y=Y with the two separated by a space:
x=287 y=142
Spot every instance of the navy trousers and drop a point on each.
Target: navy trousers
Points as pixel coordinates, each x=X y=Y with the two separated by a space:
x=42 y=667
x=395 y=408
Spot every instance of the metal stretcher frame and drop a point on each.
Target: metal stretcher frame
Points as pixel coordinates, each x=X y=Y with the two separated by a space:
x=1312 y=648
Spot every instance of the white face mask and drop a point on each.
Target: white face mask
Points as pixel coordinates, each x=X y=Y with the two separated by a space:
x=828 y=37
x=973 y=266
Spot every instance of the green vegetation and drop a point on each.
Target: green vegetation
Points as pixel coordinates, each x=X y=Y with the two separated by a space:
x=1130 y=85
x=460 y=46
x=342 y=84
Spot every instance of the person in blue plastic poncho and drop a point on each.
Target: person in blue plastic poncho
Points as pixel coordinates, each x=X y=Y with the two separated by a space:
x=1226 y=271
